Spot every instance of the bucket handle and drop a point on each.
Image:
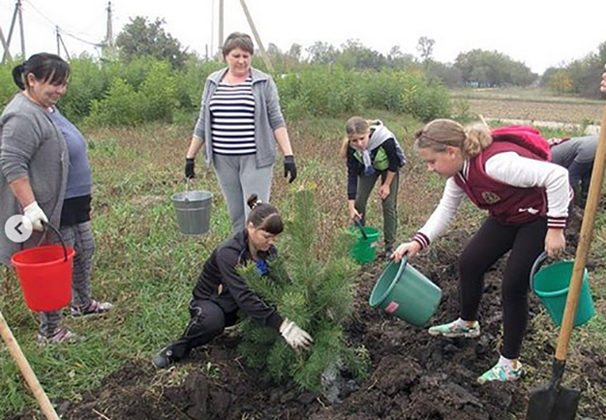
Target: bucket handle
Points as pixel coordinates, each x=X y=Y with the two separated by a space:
x=535 y=267
x=47 y=225
x=359 y=225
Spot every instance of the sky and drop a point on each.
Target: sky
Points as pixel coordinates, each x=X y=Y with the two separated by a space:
x=538 y=33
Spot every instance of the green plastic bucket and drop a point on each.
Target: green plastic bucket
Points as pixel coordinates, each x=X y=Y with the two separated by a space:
x=363 y=249
x=551 y=283
x=405 y=292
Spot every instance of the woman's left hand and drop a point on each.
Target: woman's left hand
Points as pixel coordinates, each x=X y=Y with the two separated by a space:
x=555 y=242
x=384 y=191
x=290 y=168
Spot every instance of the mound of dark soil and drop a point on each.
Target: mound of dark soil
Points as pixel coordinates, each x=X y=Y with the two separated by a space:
x=412 y=375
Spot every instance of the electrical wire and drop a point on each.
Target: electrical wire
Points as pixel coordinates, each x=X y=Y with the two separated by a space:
x=61 y=30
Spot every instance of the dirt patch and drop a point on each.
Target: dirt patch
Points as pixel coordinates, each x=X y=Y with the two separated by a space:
x=413 y=375
x=536 y=110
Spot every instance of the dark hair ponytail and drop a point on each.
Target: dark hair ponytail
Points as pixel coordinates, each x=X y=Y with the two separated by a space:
x=18 y=76
x=45 y=67
x=264 y=216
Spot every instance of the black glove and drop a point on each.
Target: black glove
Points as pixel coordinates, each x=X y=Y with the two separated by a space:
x=290 y=167
x=189 y=168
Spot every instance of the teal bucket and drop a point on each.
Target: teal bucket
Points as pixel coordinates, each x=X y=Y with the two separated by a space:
x=364 y=248
x=551 y=283
x=405 y=292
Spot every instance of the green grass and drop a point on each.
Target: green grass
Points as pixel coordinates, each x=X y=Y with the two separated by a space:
x=147 y=268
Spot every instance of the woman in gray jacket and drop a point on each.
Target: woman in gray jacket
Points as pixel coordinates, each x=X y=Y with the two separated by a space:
x=45 y=176
x=239 y=124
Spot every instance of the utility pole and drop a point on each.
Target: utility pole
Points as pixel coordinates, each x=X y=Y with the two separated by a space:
x=4 y=45
x=21 y=27
x=221 y=16
x=257 y=38
x=7 y=43
x=60 y=44
x=58 y=40
x=108 y=50
x=109 y=36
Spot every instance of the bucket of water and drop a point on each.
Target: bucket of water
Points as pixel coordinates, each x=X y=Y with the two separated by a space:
x=551 y=283
x=45 y=275
x=364 y=247
x=193 y=211
x=405 y=292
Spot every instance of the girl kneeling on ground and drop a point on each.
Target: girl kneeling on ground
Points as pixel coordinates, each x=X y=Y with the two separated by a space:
x=221 y=291
x=527 y=200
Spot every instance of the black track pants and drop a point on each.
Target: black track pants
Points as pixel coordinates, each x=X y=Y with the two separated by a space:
x=207 y=321
x=489 y=244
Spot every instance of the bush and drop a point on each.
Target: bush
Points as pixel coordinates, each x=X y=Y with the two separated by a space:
x=190 y=82
x=322 y=91
x=382 y=90
x=122 y=106
x=8 y=88
x=159 y=93
x=422 y=99
x=87 y=82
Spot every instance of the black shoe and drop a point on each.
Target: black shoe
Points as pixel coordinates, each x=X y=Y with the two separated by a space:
x=388 y=254
x=163 y=358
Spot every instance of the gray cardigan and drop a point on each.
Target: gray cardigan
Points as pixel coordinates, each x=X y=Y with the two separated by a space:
x=30 y=146
x=268 y=116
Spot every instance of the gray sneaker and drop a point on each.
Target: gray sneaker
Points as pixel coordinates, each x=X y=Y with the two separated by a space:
x=61 y=335
x=92 y=308
x=163 y=358
x=456 y=329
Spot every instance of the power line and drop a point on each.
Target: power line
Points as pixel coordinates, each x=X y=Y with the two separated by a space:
x=59 y=28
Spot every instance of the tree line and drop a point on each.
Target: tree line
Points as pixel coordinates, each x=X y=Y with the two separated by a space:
x=477 y=68
x=151 y=77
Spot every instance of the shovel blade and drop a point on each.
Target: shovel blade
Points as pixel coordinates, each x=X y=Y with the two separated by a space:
x=553 y=403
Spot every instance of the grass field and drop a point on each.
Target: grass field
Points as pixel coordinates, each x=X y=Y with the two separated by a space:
x=147 y=268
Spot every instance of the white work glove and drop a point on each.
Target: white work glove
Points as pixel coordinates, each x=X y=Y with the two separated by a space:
x=295 y=336
x=35 y=215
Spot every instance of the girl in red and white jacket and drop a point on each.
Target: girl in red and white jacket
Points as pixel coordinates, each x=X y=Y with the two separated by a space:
x=527 y=200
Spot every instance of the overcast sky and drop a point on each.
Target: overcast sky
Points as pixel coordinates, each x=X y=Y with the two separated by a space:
x=539 y=33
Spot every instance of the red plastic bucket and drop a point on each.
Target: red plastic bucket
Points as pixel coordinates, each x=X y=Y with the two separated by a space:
x=45 y=274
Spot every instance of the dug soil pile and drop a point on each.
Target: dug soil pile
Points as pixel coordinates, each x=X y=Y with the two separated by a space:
x=412 y=375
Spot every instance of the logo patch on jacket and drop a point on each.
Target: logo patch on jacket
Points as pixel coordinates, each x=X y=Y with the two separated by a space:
x=490 y=197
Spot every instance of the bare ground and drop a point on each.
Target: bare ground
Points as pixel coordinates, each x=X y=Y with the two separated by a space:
x=413 y=375
x=565 y=112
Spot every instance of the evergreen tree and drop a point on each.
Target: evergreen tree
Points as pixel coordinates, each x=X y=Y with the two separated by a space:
x=316 y=292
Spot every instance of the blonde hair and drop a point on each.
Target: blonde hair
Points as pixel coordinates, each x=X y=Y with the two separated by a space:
x=353 y=126
x=441 y=133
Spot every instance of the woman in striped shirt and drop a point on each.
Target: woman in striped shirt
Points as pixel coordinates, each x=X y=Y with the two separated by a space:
x=239 y=124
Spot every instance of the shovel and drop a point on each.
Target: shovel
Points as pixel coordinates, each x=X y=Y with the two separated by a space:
x=26 y=370
x=553 y=401
x=362 y=231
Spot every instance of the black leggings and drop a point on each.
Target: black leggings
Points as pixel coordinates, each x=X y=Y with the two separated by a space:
x=489 y=244
x=207 y=321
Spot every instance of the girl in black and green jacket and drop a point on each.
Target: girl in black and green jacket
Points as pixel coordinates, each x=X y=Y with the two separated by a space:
x=372 y=152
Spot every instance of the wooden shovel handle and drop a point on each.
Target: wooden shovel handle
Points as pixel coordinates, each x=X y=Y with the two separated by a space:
x=26 y=370
x=580 y=260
